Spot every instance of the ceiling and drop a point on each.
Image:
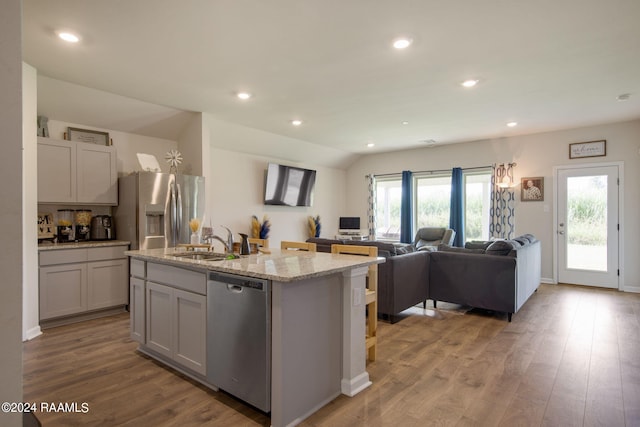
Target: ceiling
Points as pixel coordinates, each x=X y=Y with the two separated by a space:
x=545 y=64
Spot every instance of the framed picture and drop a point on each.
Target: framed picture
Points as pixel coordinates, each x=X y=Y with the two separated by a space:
x=89 y=136
x=588 y=149
x=45 y=226
x=532 y=189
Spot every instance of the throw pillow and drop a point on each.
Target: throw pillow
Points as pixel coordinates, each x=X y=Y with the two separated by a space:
x=477 y=244
x=446 y=248
x=499 y=247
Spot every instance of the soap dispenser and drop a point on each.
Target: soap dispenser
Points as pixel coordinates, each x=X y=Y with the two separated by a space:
x=244 y=245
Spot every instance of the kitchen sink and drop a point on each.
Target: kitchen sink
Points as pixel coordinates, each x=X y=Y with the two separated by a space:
x=202 y=256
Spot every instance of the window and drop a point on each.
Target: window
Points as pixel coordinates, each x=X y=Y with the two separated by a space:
x=477 y=202
x=432 y=201
x=388 y=198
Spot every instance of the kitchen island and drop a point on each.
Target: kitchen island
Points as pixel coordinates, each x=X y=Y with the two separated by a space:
x=316 y=321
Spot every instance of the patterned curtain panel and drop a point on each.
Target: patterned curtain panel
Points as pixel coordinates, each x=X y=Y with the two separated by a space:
x=371 y=209
x=502 y=210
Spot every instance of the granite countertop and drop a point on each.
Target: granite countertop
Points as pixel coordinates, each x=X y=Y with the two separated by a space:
x=279 y=265
x=48 y=246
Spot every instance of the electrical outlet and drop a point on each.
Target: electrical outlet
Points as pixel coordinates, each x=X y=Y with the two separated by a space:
x=357 y=297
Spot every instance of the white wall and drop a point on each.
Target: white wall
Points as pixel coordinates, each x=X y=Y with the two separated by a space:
x=191 y=146
x=11 y=209
x=235 y=192
x=127 y=145
x=535 y=155
x=30 y=307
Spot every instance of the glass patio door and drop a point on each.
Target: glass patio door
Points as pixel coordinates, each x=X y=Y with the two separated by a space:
x=587 y=228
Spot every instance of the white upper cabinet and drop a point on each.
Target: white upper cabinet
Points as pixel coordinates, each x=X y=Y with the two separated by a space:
x=76 y=172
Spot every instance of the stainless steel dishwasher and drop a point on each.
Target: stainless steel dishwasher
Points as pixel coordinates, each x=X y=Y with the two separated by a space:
x=239 y=337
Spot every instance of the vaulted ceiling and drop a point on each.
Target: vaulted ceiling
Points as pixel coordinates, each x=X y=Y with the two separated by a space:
x=546 y=65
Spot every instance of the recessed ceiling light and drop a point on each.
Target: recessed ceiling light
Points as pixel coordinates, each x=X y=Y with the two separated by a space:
x=512 y=124
x=405 y=122
x=371 y=144
x=296 y=122
x=244 y=95
x=69 y=37
x=402 y=43
x=469 y=83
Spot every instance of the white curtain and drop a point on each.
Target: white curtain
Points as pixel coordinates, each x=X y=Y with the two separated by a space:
x=371 y=209
x=502 y=210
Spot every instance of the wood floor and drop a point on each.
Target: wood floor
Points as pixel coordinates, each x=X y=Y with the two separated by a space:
x=570 y=357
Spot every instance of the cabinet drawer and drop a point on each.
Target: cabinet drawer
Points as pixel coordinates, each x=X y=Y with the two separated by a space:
x=177 y=277
x=63 y=256
x=107 y=252
x=137 y=268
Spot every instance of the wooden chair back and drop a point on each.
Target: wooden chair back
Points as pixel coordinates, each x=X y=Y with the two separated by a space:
x=298 y=246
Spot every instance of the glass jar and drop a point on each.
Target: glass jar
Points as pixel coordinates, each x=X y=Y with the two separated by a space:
x=65 y=225
x=83 y=224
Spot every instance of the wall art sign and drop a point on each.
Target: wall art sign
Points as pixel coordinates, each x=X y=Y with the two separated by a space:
x=45 y=226
x=532 y=189
x=588 y=149
x=89 y=136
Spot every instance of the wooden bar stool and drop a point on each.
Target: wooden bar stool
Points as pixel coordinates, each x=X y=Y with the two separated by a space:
x=371 y=293
x=298 y=246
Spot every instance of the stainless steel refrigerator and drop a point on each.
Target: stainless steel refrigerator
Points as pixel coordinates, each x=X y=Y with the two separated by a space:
x=154 y=209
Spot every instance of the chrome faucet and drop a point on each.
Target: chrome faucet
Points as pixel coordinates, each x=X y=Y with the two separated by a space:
x=228 y=243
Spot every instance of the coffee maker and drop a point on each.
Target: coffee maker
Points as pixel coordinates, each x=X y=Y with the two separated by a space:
x=102 y=228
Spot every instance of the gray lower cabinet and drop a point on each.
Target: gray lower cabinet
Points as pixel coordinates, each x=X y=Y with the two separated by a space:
x=170 y=318
x=75 y=281
x=137 y=309
x=63 y=290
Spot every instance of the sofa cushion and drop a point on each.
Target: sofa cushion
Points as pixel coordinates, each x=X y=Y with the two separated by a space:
x=500 y=247
x=477 y=244
x=446 y=248
x=523 y=241
x=404 y=248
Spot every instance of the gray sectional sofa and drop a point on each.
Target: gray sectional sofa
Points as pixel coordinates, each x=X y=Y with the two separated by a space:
x=496 y=275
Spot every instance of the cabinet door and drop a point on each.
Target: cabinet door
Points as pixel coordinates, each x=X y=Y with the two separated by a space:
x=159 y=318
x=63 y=290
x=56 y=171
x=107 y=283
x=136 y=309
x=97 y=174
x=190 y=318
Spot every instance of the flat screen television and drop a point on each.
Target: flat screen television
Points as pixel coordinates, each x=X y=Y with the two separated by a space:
x=289 y=186
x=349 y=224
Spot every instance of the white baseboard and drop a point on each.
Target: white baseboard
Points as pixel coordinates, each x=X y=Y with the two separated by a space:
x=634 y=289
x=548 y=281
x=32 y=333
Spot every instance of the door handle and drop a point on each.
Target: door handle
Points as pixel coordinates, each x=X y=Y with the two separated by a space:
x=560 y=232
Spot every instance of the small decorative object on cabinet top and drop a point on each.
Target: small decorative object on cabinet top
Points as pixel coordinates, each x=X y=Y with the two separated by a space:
x=174 y=158
x=314 y=226
x=588 y=149
x=532 y=189
x=89 y=136
x=43 y=127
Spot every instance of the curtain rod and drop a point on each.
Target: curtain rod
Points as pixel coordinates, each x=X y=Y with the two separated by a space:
x=433 y=171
